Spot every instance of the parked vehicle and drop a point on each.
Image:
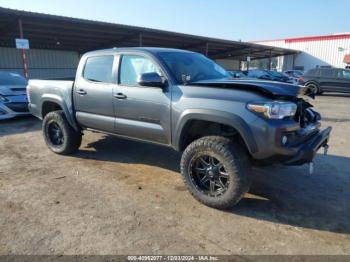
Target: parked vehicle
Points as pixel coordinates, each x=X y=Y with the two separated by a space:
x=296 y=75
x=321 y=80
x=13 y=98
x=185 y=101
x=280 y=77
x=257 y=73
x=237 y=74
x=268 y=75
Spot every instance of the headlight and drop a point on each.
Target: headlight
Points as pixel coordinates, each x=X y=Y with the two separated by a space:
x=274 y=110
x=3 y=99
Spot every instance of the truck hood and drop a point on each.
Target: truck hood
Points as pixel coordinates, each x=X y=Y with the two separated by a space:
x=268 y=88
x=9 y=90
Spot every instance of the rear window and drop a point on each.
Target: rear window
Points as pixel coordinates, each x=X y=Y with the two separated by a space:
x=99 y=69
x=344 y=74
x=12 y=79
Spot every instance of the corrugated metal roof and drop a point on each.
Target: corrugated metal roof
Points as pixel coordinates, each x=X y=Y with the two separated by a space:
x=66 y=33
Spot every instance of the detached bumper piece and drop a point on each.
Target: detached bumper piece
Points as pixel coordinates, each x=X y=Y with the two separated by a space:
x=308 y=150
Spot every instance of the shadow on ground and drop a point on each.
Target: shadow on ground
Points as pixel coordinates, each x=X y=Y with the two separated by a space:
x=288 y=195
x=19 y=125
x=279 y=194
x=113 y=149
x=336 y=94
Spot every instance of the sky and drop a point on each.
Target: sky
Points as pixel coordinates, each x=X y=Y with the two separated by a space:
x=246 y=20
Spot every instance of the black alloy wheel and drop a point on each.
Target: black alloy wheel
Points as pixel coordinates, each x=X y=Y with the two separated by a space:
x=216 y=171
x=55 y=133
x=59 y=135
x=209 y=175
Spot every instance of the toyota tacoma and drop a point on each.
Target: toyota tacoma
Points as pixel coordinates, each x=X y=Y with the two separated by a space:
x=183 y=100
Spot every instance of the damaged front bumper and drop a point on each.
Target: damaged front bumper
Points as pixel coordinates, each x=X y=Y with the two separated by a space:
x=307 y=151
x=287 y=143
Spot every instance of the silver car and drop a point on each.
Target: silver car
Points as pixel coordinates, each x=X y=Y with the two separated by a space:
x=13 y=97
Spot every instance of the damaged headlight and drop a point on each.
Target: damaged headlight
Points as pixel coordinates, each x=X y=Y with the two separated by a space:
x=274 y=110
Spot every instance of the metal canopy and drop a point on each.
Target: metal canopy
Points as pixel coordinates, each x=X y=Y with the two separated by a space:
x=65 y=33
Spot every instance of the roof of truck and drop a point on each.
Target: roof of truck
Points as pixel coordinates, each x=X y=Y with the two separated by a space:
x=153 y=50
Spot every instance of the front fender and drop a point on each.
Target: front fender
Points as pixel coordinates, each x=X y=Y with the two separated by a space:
x=66 y=107
x=216 y=116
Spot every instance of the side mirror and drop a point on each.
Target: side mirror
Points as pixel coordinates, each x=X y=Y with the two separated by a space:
x=236 y=75
x=150 y=79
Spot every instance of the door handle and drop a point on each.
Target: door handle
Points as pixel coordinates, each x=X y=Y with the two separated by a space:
x=120 y=96
x=81 y=92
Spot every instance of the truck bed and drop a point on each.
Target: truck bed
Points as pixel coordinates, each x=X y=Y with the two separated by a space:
x=58 y=91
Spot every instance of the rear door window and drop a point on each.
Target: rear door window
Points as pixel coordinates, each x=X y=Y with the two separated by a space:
x=99 y=69
x=327 y=73
x=312 y=72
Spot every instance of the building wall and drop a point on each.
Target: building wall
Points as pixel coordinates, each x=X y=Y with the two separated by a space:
x=42 y=64
x=46 y=64
x=329 y=51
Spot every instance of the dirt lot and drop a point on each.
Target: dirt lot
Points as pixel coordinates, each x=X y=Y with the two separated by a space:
x=122 y=197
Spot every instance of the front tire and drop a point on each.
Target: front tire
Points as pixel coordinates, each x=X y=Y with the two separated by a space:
x=59 y=136
x=216 y=171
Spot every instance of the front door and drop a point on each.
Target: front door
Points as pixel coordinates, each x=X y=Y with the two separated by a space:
x=343 y=80
x=93 y=94
x=141 y=112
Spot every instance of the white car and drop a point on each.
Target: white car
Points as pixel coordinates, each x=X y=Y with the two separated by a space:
x=13 y=97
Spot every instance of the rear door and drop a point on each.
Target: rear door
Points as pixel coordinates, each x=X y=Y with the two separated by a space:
x=327 y=79
x=93 y=94
x=141 y=112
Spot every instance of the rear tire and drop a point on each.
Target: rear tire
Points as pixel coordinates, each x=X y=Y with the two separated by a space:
x=314 y=88
x=59 y=136
x=216 y=171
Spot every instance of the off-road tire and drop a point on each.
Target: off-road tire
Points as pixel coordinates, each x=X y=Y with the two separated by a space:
x=72 y=138
x=236 y=161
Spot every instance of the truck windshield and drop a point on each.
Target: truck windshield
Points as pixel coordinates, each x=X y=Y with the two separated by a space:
x=192 y=67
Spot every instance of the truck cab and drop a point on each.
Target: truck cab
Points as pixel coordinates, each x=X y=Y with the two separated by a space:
x=108 y=97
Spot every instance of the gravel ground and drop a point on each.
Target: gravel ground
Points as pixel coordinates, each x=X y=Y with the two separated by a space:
x=122 y=197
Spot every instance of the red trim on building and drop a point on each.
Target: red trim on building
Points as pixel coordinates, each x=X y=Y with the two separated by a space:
x=318 y=38
x=308 y=38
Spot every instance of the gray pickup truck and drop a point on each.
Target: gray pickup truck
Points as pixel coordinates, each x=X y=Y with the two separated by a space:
x=182 y=100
